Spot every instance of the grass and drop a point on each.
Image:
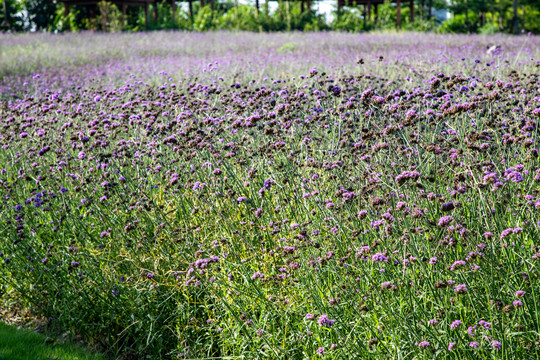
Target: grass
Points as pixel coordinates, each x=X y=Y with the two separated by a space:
x=20 y=344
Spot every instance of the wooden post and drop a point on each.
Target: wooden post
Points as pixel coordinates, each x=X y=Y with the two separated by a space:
x=411 y=15
x=190 y=4
x=302 y=7
x=66 y=13
x=173 y=7
x=516 y=19
x=93 y=19
x=376 y=12
x=146 y=15
x=212 y=5
x=369 y=10
x=124 y=15
x=365 y=15
x=202 y=4
x=288 y=9
x=309 y=5
x=398 y=14
x=4 y=26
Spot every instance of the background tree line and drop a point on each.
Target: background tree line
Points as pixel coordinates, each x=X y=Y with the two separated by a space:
x=468 y=16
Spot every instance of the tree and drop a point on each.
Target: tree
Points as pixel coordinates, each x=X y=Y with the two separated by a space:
x=10 y=16
x=40 y=14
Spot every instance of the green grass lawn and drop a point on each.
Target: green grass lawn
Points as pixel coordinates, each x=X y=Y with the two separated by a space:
x=16 y=344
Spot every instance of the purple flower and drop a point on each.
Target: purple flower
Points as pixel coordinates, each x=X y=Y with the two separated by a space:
x=517 y=303
x=310 y=316
x=520 y=293
x=455 y=324
x=325 y=321
x=387 y=285
x=379 y=257
x=333 y=301
x=506 y=233
x=451 y=346
x=460 y=289
x=474 y=344
x=422 y=344
x=320 y=351
x=257 y=275
x=496 y=345
x=457 y=264
x=445 y=220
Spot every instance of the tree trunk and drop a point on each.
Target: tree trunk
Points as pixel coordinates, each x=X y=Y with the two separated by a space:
x=146 y=15
x=516 y=20
x=398 y=14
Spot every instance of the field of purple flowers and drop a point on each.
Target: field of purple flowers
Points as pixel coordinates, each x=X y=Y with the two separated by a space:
x=283 y=196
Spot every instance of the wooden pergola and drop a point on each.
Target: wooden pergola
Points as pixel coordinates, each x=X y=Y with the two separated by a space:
x=123 y=4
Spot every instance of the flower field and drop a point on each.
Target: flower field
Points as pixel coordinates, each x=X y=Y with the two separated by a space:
x=280 y=196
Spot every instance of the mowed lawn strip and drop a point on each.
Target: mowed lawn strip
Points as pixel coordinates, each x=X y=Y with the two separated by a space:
x=18 y=344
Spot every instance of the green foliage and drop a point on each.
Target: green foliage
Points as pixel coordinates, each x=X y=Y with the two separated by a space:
x=110 y=19
x=166 y=18
x=13 y=21
x=530 y=17
x=348 y=19
x=421 y=25
x=241 y=17
x=16 y=344
x=40 y=14
x=460 y=24
x=287 y=17
x=67 y=22
x=204 y=19
x=489 y=28
x=386 y=17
